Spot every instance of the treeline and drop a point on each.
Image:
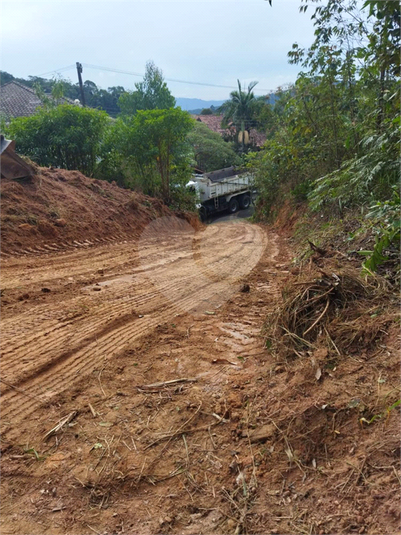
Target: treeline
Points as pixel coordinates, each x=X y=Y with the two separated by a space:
x=152 y=146
x=333 y=138
x=95 y=97
x=114 y=100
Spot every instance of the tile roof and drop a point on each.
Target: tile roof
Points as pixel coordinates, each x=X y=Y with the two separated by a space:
x=214 y=123
x=18 y=100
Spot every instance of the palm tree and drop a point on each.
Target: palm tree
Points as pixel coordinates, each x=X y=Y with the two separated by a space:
x=239 y=110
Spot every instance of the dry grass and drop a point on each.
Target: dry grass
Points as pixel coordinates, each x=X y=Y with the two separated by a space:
x=341 y=308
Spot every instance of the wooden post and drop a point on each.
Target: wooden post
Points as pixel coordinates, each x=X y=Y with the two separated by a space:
x=81 y=87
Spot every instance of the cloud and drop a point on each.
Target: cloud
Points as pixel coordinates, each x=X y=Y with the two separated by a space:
x=208 y=41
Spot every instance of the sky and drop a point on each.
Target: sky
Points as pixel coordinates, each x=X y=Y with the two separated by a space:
x=211 y=42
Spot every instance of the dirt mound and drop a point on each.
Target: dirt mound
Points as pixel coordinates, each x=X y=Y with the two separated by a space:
x=57 y=209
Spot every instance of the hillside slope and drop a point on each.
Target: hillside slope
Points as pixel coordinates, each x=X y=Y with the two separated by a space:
x=58 y=209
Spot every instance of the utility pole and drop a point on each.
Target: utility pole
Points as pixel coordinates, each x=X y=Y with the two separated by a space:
x=81 y=87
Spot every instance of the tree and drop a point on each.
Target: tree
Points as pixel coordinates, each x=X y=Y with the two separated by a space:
x=90 y=88
x=56 y=96
x=65 y=136
x=151 y=94
x=210 y=150
x=335 y=139
x=382 y=54
x=151 y=150
x=163 y=134
x=5 y=77
x=240 y=111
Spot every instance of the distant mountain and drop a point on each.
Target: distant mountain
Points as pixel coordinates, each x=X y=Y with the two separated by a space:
x=272 y=98
x=195 y=104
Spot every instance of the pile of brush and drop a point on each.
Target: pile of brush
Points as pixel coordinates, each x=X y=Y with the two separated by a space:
x=341 y=310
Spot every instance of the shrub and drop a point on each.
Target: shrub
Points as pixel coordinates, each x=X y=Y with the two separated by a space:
x=65 y=136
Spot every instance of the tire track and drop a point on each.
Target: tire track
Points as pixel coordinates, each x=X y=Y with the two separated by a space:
x=81 y=362
x=53 y=326
x=43 y=350
x=114 y=326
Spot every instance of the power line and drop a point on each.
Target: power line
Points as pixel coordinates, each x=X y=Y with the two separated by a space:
x=141 y=75
x=167 y=79
x=89 y=66
x=57 y=70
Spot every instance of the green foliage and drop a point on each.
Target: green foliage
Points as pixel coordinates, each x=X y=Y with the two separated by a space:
x=240 y=111
x=149 y=151
x=266 y=117
x=112 y=165
x=379 y=416
x=55 y=97
x=282 y=167
x=151 y=94
x=5 y=77
x=182 y=198
x=334 y=136
x=106 y=100
x=98 y=98
x=266 y=164
x=362 y=178
x=301 y=191
x=65 y=136
x=210 y=150
x=32 y=451
x=3 y=123
x=206 y=111
x=386 y=220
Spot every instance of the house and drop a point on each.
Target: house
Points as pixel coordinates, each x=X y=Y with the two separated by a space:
x=214 y=123
x=18 y=100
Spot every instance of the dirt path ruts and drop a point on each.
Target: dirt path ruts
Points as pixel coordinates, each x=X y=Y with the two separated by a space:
x=253 y=443
x=50 y=340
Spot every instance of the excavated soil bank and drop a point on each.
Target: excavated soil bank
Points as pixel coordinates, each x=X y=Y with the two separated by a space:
x=58 y=209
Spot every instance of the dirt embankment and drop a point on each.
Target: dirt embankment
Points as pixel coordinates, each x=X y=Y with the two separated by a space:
x=58 y=209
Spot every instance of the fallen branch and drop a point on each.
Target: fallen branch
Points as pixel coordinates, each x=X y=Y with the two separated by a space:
x=94 y=413
x=64 y=421
x=319 y=318
x=166 y=383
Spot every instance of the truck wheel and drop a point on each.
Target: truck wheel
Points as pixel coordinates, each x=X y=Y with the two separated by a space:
x=203 y=213
x=245 y=202
x=233 y=206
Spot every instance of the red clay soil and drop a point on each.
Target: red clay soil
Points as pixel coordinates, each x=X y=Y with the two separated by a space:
x=57 y=209
x=142 y=392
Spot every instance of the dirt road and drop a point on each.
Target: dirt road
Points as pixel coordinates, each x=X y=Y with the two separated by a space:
x=64 y=314
x=140 y=395
x=82 y=332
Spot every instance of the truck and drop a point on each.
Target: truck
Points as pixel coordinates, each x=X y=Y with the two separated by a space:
x=226 y=189
x=12 y=166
